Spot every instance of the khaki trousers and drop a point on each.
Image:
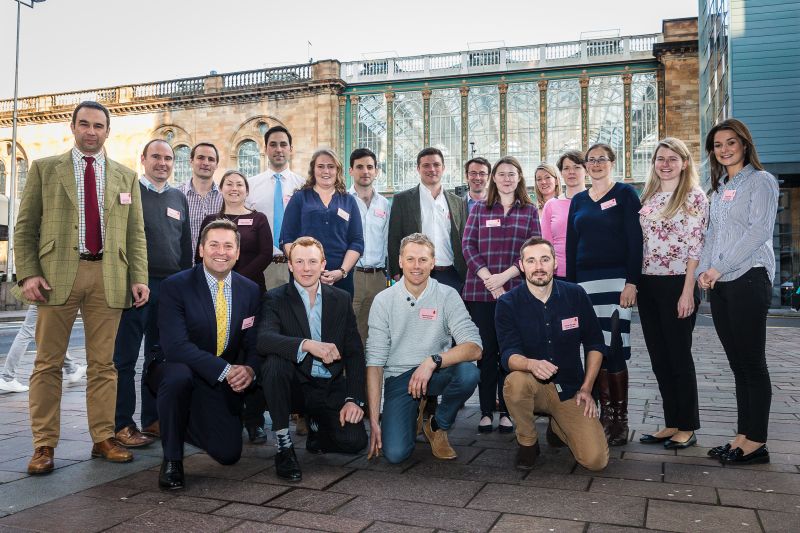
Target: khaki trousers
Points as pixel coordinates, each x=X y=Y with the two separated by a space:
x=276 y=274
x=582 y=434
x=367 y=285
x=53 y=330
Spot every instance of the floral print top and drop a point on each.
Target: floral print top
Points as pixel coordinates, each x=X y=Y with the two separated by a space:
x=670 y=243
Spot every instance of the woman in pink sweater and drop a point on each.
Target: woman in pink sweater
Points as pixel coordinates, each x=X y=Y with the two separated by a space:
x=555 y=211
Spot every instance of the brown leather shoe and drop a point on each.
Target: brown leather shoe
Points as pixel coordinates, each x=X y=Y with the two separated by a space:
x=526 y=456
x=110 y=450
x=153 y=430
x=440 y=444
x=131 y=437
x=42 y=461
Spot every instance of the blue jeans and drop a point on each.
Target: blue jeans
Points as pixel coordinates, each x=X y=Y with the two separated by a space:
x=455 y=384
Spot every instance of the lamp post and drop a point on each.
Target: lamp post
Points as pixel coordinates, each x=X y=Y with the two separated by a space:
x=12 y=196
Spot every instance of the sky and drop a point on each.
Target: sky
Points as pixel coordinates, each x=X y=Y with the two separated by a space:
x=68 y=45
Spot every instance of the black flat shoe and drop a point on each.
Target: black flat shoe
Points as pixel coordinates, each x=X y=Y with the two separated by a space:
x=646 y=438
x=505 y=429
x=718 y=451
x=677 y=445
x=286 y=465
x=171 y=475
x=256 y=435
x=486 y=428
x=738 y=457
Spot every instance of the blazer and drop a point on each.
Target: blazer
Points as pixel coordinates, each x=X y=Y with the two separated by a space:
x=188 y=324
x=284 y=325
x=46 y=234
x=406 y=218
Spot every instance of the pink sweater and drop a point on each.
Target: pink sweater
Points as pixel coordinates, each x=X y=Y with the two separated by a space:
x=554 y=229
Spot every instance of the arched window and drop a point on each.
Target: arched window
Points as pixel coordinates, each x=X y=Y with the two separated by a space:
x=2 y=177
x=408 y=135
x=607 y=117
x=182 y=170
x=563 y=117
x=22 y=175
x=484 y=121
x=249 y=160
x=445 y=119
x=523 y=126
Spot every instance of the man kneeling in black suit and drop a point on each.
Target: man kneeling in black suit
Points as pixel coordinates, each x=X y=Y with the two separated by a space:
x=308 y=335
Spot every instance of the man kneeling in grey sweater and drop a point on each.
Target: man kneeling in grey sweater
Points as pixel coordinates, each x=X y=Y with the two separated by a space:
x=410 y=343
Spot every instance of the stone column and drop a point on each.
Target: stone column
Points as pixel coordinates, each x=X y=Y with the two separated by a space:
x=502 y=88
x=354 y=142
x=662 y=122
x=585 y=112
x=543 y=119
x=389 y=141
x=626 y=82
x=426 y=117
x=342 y=122
x=464 y=90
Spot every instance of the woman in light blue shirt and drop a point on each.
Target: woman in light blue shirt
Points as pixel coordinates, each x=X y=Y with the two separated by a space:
x=737 y=265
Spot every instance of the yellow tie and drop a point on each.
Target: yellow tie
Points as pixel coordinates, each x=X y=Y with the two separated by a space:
x=222 y=318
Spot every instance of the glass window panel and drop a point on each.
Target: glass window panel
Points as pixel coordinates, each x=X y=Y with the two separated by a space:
x=371 y=132
x=408 y=138
x=22 y=176
x=522 y=126
x=483 y=108
x=182 y=170
x=248 y=158
x=644 y=123
x=563 y=117
x=2 y=178
x=607 y=117
x=446 y=132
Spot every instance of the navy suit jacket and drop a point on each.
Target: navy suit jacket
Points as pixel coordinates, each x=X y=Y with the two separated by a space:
x=188 y=325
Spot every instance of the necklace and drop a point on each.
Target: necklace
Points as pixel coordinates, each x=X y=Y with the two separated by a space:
x=596 y=198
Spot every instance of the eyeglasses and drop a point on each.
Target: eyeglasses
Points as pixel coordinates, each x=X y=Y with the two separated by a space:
x=474 y=174
x=598 y=161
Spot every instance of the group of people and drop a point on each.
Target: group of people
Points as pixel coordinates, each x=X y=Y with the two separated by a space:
x=297 y=295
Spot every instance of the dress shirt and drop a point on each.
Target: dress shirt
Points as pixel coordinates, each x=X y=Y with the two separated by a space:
x=262 y=192
x=552 y=331
x=375 y=222
x=739 y=235
x=314 y=315
x=228 y=292
x=200 y=206
x=436 y=224
x=149 y=185
x=99 y=165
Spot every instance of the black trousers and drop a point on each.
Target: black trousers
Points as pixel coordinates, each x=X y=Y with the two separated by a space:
x=669 y=342
x=739 y=309
x=450 y=277
x=323 y=399
x=254 y=406
x=493 y=377
x=190 y=410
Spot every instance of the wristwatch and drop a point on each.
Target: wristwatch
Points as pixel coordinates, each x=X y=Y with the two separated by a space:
x=357 y=402
x=344 y=273
x=437 y=359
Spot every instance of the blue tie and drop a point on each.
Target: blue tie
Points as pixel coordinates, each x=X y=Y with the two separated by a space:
x=277 y=213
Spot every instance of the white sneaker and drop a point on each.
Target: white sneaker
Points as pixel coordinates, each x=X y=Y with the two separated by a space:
x=79 y=374
x=12 y=386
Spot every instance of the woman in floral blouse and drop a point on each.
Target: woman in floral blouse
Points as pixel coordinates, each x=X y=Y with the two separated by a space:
x=673 y=218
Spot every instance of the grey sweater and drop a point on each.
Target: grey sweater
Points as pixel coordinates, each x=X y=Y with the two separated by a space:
x=404 y=330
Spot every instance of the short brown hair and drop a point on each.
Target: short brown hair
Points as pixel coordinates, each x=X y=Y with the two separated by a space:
x=418 y=238
x=606 y=148
x=534 y=241
x=220 y=223
x=573 y=155
x=307 y=241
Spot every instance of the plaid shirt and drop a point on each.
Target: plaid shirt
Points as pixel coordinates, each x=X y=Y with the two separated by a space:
x=200 y=207
x=79 y=164
x=492 y=240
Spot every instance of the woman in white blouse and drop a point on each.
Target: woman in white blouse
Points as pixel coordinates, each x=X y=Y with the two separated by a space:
x=673 y=219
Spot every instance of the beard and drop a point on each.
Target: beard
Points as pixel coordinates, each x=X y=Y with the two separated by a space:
x=538 y=281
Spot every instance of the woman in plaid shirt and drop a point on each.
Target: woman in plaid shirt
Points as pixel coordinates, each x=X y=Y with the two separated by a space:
x=493 y=235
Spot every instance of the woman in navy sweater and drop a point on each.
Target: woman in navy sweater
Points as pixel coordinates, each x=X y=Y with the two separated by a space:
x=604 y=255
x=322 y=209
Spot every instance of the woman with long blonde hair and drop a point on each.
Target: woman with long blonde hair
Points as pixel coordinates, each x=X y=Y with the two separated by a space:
x=673 y=219
x=547 y=181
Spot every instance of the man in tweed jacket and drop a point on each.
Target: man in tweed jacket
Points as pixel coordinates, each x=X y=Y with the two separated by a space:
x=72 y=255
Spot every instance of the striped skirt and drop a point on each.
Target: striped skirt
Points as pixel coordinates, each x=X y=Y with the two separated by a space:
x=604 y=287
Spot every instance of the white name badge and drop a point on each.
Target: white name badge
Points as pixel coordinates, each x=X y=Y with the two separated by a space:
x=569 y=323
x=493 y=223
x=125 y=198
x=608 y=204
x=173 y=213
x=344 y=214
x=245 y=222
x=729 y=195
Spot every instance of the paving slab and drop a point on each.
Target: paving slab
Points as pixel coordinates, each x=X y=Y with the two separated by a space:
x=774 y=501
x=160 y=520
x=732 y=477
x=777 y=522
x=336 y=524
x=515 y=523
x=655 y=490
x=689 y=517
x=74 y=513
x=245 y=511
x=311 y=500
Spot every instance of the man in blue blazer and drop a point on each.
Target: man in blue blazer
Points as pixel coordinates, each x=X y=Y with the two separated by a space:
x=209 y=354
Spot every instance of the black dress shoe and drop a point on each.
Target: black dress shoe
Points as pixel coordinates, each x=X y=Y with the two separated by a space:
x=677 y=445
x=486 y=428
x=286 y=465
x=646 y=438
x=312 y=442
x=256 y=435
x=738 y=457
x=719 y=451
x=504 y=429
x=171 y=475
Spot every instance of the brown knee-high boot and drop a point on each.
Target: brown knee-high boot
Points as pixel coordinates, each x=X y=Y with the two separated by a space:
x=618 y=429
x=604 y=395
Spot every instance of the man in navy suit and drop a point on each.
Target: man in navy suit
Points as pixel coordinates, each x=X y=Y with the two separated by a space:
x=209 y=354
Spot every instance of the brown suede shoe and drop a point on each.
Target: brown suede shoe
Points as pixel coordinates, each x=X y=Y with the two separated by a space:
x=440 y=445
x=131 y=437
x=153 y=430
x=526 y=456
x=42 y=461
x=110 y=450
x=421 y=416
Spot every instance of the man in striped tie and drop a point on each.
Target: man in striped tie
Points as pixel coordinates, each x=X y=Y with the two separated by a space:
x=209 y=355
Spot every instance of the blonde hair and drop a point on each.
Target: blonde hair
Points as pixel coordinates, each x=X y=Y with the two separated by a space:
x=553 y=171
x=688 y=179
x=311 y=180
x=307 y=241
x=418 y=238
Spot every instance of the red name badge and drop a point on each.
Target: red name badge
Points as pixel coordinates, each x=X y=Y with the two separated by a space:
x=173 y=213
x=729 y=195
x=245 y=222
x=427 y=314
x=248 y=322
x=380 y=213
x=493 y=223
x=569 y=323
x=286 y=198
x=125 y=198
x=610 y=203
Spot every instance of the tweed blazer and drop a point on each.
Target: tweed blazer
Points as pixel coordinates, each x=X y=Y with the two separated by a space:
x=406 y=218
x=46 y=234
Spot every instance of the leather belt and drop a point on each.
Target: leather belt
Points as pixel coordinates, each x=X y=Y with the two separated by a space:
x=279 y=259
x=91 y=257
x=370 y=270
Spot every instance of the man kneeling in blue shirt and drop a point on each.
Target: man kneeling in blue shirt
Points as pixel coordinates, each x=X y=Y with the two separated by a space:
x=540 y=327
